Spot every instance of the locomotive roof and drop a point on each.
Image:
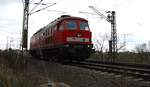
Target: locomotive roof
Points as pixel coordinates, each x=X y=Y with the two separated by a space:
x=63 y=17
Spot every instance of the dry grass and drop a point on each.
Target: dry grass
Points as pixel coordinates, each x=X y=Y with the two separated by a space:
x=9 y=80
x=130 y=57
x=11 y=72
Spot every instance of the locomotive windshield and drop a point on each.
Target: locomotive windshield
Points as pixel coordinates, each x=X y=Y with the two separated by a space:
x=84 y=26
x=72 y=25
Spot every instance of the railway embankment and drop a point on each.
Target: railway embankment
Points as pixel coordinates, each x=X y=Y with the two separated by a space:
x=37 y=73
x=80 y=77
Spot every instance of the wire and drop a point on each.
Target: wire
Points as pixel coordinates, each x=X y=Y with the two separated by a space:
x=35 y=6
x=63 y=12
x=99 y=13
x=87 y=13
x=41 y=9
x=39 y=4
x=31 y=1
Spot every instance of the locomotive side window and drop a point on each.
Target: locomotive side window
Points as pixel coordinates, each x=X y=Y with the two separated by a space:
x=84 y=26
x=71 y=25
x=55 y=27
x=61 y=26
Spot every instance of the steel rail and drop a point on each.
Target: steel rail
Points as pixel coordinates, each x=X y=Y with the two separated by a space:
x=121 y=69
x=138 y=65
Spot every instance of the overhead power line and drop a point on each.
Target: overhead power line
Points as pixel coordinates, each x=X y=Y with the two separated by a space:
x=87 y=13
x=41 y=9
x=40 y=3
x=35 y=6
x=99 y=13
x=32 y=1
x=63 y=12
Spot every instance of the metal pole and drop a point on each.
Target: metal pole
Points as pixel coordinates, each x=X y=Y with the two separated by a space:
x=25 y=26
x=113 y=35
x=25 y=30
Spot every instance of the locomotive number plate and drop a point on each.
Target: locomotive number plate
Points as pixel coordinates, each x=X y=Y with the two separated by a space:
x=77 y=39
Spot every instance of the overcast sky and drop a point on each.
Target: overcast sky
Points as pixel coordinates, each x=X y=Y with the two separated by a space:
x=132 y=17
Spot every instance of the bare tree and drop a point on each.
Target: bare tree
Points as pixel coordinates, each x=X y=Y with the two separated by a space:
x=100 y=44
x=142 y=53
x=148 y=46
x=141 y=48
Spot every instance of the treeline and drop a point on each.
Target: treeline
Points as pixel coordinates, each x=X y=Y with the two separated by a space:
x=138 y=54
x=141 y=54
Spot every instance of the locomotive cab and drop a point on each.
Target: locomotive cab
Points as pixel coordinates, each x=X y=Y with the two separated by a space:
x=75 y=37
x=75 y=31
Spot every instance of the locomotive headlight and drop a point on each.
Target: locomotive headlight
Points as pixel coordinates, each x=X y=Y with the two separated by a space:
x=90 y=46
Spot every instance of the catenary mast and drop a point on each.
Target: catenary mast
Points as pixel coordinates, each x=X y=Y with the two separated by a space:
x=25 y=26
x=111 y=18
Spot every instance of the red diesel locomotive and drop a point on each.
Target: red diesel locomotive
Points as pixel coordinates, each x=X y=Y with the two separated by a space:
x=66 y=38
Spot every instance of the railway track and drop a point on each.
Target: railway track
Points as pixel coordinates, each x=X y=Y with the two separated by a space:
x=134 y=70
